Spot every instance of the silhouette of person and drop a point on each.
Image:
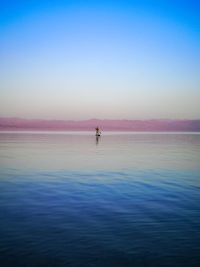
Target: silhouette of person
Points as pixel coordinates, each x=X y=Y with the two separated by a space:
x=97 y=130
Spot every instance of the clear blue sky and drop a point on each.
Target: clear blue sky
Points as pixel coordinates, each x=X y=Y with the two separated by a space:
x=104 y=59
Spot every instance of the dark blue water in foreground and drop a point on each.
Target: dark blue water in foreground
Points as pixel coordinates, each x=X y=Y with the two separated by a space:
x=121 y=200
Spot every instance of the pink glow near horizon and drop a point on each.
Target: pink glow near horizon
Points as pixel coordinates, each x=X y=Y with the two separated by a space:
x=116 y=125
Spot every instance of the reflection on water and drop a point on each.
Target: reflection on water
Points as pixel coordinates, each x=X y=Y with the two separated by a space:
x=48 y=151
x=97 y=139
x=74 y=199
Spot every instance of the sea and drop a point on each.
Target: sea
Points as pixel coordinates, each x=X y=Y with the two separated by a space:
x=121 y=199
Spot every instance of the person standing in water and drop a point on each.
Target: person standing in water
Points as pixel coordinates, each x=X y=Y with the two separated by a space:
x=97 y=131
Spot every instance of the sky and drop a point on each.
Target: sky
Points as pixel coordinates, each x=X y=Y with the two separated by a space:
x=78 y=60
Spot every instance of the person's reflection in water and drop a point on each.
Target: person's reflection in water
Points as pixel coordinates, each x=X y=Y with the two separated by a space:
x=97 y=139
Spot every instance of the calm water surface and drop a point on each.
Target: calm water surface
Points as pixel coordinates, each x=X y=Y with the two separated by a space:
x=125 y=199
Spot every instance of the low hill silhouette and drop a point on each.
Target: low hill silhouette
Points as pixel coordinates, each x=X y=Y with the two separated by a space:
x=105 y=125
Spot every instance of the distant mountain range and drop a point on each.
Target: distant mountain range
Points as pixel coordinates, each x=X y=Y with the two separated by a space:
x=104 y=125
